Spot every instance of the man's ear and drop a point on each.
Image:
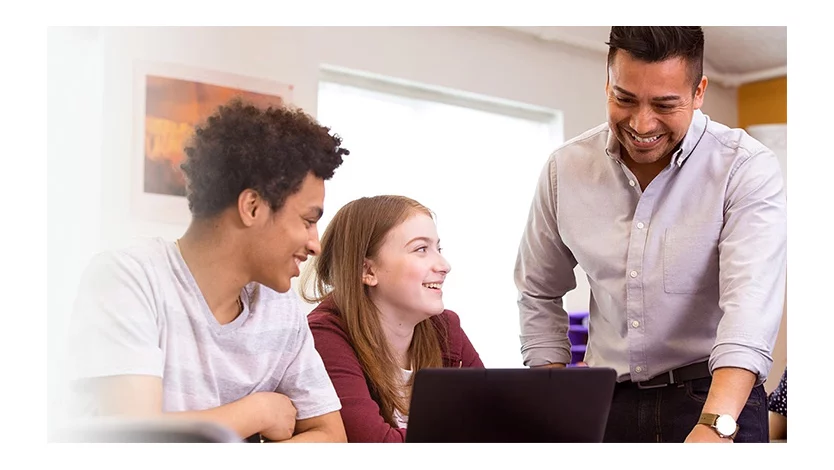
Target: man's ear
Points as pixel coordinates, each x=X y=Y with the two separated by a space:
x=700 y=91
x=251 y=207
x=368 y=273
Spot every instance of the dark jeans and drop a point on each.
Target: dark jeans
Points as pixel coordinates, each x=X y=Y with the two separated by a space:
x=668 y=414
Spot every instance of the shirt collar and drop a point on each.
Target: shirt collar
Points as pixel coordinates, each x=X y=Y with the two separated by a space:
x=697 y=128
x=612 y=146
x=696 y=131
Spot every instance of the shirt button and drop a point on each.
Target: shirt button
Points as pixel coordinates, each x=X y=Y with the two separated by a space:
x=635 y=323
x=633 y=274
x=638 y=369
x=631 y=183
x=640 y=225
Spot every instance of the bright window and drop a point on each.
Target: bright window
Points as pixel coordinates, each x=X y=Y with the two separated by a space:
x=473 y=161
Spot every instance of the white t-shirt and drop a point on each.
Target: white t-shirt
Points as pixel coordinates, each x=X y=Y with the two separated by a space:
x=139 y=311
x=401 y=419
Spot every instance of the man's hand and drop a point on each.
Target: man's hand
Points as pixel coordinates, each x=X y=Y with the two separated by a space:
x=728 y=393
x=703 y=433
x=323 y=428
x=279 y=415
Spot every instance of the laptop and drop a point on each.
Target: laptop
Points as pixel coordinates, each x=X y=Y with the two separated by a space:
x=510 y=405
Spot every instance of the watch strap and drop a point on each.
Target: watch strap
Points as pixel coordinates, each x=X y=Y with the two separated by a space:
x=708 y=418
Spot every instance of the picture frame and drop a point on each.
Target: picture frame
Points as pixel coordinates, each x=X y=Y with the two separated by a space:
x=169 y=101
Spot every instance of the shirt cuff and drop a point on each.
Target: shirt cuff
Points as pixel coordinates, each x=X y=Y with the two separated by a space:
x=541 y=352
x=735 y=355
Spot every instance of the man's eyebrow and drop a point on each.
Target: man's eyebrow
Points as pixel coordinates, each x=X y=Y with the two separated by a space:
x=667 y=98
x=625 y=92
x=315 y=212
x=658 y=98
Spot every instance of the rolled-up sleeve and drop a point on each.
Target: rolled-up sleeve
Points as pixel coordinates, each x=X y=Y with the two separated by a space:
x=753 y=266
x=543 y=275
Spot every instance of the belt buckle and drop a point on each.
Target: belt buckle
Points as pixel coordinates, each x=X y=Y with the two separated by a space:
x=649 y=387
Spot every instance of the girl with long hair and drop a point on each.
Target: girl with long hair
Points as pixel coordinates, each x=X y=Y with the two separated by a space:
x=379 y=279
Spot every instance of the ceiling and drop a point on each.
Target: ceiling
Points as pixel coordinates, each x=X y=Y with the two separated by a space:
x=733 y=55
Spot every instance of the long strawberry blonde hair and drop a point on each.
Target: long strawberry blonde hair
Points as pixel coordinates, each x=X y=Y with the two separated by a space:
x=357 y=232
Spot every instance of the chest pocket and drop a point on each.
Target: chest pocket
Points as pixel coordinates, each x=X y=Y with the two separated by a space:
x=690 y=258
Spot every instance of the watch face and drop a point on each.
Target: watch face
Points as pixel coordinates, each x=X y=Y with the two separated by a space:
x=725 y=424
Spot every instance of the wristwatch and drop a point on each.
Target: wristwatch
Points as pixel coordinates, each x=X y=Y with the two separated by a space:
x=723 y=425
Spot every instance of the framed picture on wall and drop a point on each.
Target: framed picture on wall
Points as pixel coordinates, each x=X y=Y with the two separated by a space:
x=169 y=102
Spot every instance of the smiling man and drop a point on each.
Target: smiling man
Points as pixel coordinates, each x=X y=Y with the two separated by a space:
x=680 y=224
x=205 y=327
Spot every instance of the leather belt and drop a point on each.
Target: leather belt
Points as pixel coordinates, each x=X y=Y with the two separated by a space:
x=699 y=370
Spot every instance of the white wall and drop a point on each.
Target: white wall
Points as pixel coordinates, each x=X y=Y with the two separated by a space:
x=488 y=62
x=91 y=105
x=74 y=175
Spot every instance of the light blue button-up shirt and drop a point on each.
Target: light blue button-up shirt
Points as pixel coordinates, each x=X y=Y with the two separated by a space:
x=692 y=268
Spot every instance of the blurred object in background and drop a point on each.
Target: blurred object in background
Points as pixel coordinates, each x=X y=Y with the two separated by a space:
x=578 y=334
x=777 y=407
x=125 y=430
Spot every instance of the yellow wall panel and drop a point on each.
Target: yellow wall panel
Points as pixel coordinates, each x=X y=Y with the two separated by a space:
x=764 y=102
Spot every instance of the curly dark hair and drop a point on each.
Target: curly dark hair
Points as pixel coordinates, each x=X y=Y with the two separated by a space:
x=658 y=43
x=269 y=150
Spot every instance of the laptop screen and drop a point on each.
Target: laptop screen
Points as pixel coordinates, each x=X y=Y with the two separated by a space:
x=510 y=405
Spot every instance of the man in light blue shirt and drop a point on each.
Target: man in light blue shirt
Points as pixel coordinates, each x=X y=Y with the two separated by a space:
x=680 y=224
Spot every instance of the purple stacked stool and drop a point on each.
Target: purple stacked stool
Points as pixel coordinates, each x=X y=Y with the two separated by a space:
x=578 y=334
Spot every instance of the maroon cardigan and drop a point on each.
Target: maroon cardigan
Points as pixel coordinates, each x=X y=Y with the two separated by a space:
x=360 y=412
